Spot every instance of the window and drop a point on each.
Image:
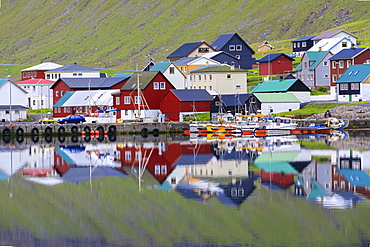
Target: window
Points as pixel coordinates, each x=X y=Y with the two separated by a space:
x=343 y=86
x=326 y=76
x=238 y=47
x=68 y=109
x=56 y=93
x=210 y=87
x=205 y=77
x=137 y=100
x=172 y=70
x=127 y=155
x=185 y=69
x=305 y=65
x=164 y=169
x=344 y=44
x=341 y=64
x=355 y=86
x=334 y=78
x=200 y=49
x=157 y=169
x=58 y=109
x=64 y=109
x=210 y=77
x=237 y=56
x=228 y=76
x=334 y=64
x=231 y=47
x=61 y=93
x=74 y=74
x=348 y=63
x=325 y=63
x=127 y=100
x=238 y=86
x=48 y=76
x=294 y=45
x=79 y=74
x=206 y=49
x=298 y=44
x=117 y=101
x=162 y=85
x=155 y=85
x=304 y=44
x=34 y=102
x=200 y=77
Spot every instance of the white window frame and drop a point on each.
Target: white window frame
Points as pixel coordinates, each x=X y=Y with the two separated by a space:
x=231 y=47
x=238 y=47
x=137 y=100
x=117 y=100
x=162 y=85
x=341 y=64
x=127 y=100
x=156 y=85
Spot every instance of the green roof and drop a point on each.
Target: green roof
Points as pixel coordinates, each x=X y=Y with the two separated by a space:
x=276 y=97
x=277 y=162
x=274 y=86
x=64 y=98
x=145 y=78
x=313 y=56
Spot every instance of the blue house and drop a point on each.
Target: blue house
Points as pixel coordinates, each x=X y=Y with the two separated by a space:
x=233 y=44
x=354 y=84
x=302 y=44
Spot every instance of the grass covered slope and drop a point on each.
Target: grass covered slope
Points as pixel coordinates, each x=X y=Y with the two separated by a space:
x=119 y=34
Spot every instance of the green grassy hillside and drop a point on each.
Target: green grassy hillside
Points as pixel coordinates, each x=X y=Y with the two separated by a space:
x=119 y=34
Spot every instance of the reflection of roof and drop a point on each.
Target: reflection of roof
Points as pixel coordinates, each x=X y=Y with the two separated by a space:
x=193 y=159
x=276 y=162
x=356 y=177
x=82 y=174
x=316 y=190
x=236 y=193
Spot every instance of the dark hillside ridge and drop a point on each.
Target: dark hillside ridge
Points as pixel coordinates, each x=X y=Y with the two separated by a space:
x=119 y=34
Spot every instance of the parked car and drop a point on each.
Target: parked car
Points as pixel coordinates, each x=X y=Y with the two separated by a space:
x=72 y=119
x=47 y=121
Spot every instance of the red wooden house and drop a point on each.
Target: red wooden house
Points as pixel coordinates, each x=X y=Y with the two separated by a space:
x=63 y=85
x=178 y=103
x=273 y=64
x=341 y=61
x=153 y=85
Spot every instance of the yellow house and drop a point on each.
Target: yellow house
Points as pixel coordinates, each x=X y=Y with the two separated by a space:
x=265 y=46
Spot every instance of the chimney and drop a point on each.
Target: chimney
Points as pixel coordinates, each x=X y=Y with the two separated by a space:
x=232 y=67
x=320 y=48
x=352 y=46
x=207 y=63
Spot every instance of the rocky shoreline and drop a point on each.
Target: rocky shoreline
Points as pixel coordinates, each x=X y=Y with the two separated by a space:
x=348 y=111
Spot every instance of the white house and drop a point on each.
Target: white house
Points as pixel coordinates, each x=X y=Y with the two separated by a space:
x=72 y=71
x=38 y=71
x=172 y=73
x=13 y=101
x=39 y=93
x=334 y=45
x=334 y=34
x=223 y=79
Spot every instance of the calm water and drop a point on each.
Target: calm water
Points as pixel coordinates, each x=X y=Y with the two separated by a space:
x=185 y=191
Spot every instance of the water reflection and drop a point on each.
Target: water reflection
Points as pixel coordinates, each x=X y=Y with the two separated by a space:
x=201 y=168
x=139 y=181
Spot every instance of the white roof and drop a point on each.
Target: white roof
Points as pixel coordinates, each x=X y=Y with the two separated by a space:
x=211 y=54
x=43 y=66
x=92 y=98
x=327 y=44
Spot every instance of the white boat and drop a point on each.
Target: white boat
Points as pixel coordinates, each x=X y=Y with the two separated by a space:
x=336 y=123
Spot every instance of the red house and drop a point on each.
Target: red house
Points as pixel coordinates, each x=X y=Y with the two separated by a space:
x=38 y=71
x=273 y=64
x=63 y=85
x=341 y=61
x=153 y=85
x=179 y=102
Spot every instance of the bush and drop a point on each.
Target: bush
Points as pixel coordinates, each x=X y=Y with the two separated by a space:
x=322 y=89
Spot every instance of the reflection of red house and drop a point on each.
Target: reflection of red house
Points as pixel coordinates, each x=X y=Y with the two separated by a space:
x=37 y=172
x=153 y=86
x=160 y=159
x=273 y=64
x=284 y=180
x=185 y=101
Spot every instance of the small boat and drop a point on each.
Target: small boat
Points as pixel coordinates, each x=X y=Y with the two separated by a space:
x=336 y=123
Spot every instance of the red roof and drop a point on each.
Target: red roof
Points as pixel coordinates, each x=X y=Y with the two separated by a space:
x=35 y=81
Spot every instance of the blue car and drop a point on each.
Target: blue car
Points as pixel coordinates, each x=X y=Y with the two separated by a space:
x=72 y=119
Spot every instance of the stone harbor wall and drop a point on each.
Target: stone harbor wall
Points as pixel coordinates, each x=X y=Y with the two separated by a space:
x=347 y=111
